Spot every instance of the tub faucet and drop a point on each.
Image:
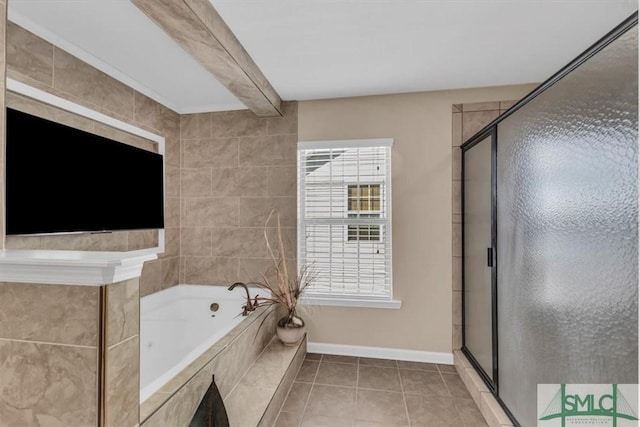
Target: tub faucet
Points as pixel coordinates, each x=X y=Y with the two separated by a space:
x=249 y=306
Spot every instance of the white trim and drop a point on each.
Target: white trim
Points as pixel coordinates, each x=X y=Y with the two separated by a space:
x=47 y=98
x=84 y=268
x=351 y=302
x=28 y=24
x=212 y=108
x=381 y=353
x=346 y=143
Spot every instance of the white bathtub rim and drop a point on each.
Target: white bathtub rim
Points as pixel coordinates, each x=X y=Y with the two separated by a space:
x=152 y=301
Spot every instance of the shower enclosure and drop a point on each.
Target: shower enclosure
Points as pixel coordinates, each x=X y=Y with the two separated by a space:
x=550 y=232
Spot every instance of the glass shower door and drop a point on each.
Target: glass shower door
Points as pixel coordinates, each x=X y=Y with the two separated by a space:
x=478 y=255
x=567 y=209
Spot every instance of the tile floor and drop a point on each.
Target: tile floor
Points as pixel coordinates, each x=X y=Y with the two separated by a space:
x=337 y=391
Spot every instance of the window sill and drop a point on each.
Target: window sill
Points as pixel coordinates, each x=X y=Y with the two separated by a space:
x=346 y=302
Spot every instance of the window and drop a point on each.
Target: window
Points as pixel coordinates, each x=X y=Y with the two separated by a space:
x=344 y=220
x=363 y=202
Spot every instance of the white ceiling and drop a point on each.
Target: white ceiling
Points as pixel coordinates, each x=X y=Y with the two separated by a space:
x=313 y=49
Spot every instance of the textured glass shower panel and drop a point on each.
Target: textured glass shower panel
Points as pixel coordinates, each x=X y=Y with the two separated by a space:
x=567 y=232
x=478 y=336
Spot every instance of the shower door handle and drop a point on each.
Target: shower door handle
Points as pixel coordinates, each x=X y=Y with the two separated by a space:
x=489 y=257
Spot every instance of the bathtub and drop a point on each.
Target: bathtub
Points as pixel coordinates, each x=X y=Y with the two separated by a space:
x=177 y=325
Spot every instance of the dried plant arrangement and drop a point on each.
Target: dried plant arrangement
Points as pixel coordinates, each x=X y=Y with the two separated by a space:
x=286 y=288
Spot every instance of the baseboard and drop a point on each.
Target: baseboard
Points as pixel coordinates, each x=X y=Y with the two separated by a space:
x=381 y=353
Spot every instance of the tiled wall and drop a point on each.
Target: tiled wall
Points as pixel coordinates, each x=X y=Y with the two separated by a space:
x=48 y=354
x=40 y=64
x=3 y=28
x=55 y=361
x=467 y=120
x=122 y=353
x=236 y=168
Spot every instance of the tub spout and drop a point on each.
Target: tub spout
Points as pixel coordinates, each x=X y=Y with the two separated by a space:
x=249 y=306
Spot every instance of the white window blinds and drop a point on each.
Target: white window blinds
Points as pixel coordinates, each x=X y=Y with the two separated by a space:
x=344 y=214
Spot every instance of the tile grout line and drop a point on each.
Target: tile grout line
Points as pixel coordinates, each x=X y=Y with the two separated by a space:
x=49 y=343
x=355 y=416
x=313 y=383
x=453 y=398
x=404 y=398
x=280 y=410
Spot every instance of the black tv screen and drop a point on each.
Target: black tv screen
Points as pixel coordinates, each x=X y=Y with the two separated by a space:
x=62 y=180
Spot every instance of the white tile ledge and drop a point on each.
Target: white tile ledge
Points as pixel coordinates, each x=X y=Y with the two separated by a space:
x=85 y=268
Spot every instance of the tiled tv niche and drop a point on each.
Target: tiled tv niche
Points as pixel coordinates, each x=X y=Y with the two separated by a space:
x=39 y=64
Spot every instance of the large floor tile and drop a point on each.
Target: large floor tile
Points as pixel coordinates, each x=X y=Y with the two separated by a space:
x=417 y=365
x=470 y=414
x=381 y=406
x=423 y=382
x=324 y=421
x=373 y=424
x=339 y=359
x=308 y=370
x=339 y=402
x=342 y=374
x=456 y=386
x=313 y=356
x=377 y=362
x=447 y=368
x=379 y=378
x=430 y=411
x=288 y=419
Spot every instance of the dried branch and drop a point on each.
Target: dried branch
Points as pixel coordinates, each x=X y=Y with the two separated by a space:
x=286 y=289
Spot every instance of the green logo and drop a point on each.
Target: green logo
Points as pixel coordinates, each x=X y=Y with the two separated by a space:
x=590 y=404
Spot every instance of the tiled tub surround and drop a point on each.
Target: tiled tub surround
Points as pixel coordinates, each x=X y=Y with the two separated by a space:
x=177 y=325
x=258 y=397
x=341 y=391
x=38 y=63
x=228 y=359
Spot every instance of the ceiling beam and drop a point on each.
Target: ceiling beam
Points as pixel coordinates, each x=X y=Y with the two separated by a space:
x=198 y=28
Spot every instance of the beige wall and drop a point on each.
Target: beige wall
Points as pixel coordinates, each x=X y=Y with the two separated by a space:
x=38 y=63
x=421 y=125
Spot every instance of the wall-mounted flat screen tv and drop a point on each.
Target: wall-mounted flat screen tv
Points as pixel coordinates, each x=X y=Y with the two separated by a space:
x=64 y=180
